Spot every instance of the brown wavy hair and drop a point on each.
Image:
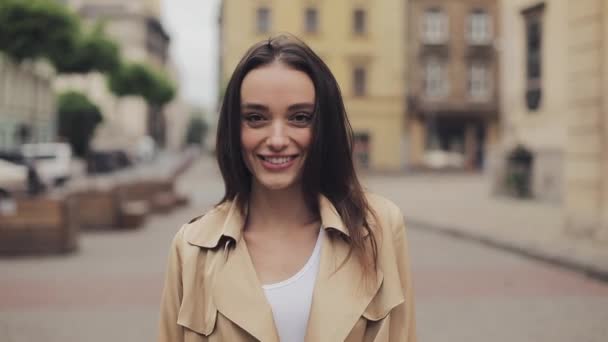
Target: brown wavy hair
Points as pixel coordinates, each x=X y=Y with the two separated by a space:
x=328 y=168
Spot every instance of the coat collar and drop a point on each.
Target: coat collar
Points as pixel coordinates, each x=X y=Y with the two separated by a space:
x=226 y=220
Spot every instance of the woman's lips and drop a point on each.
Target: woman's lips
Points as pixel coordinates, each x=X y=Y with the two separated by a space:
x=277 y=163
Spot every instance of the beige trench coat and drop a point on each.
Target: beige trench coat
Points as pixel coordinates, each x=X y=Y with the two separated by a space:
x=212 y=292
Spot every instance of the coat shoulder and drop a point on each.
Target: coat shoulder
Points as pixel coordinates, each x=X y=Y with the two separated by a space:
x=205 y=230
x=210 y=212
x=388 y=214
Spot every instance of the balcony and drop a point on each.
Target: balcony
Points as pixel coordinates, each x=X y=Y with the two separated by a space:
x=452 y=107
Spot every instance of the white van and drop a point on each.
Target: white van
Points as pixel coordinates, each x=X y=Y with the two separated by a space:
x=52 y=161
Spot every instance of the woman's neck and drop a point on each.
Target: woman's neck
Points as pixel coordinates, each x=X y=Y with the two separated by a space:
x=278 y=210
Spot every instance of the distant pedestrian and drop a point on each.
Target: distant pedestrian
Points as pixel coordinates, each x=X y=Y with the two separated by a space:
x=296 y=250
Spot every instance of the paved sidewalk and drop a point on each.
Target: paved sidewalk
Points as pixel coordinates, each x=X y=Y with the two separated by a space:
x=462 y=205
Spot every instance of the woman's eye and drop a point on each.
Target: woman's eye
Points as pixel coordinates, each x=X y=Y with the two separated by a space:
x=253 y=118
x=302 y=118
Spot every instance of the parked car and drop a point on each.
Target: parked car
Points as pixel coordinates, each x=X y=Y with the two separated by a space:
x=439 y=159
x=13 y=177
x=52 y=161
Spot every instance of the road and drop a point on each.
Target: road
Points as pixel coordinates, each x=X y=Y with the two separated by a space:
x=109 y=290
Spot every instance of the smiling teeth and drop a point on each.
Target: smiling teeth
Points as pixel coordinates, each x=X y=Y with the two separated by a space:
x=278 y=161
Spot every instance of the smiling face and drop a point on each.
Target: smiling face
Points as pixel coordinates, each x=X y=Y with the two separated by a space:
x=277 y=106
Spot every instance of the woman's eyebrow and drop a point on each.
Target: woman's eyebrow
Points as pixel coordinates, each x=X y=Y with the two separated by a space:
x=299 y=106
x=255 y=106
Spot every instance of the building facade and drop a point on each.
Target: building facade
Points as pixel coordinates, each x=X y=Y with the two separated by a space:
x=362 y=43
x=453 y=99
x=136 y=27
x=535 y=92
x=27 y=103
x=586 y=154
x=555 y=77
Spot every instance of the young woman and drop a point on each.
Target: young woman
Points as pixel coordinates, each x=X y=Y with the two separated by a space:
x=296 y=250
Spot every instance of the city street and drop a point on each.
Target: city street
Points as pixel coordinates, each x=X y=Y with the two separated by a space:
x=109 y=290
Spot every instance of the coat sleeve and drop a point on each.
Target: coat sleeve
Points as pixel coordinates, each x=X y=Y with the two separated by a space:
x=169 y=330
x=403 y=322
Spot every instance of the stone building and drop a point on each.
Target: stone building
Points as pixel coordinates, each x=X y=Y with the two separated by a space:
x=554 y=81
x=535 y=92
x=363 y=44
x=586 y=154
x=453 y=82
x=27 y=103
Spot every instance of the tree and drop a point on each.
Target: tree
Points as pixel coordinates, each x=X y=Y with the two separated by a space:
x=36 y=28
x=141 y=80
x=138 y=79
x=45 y=29
x=77 y=119
x=93 y=51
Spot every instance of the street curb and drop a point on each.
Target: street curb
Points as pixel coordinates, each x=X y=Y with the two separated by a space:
x=590 y=271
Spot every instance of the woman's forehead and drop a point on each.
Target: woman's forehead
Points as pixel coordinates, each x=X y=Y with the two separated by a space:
x=277 y=83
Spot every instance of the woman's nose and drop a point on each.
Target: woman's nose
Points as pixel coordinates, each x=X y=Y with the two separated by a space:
x=278 y=138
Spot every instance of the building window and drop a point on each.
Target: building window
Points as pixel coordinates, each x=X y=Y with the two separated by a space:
x=360 y=81
x=359 y=22
x=479 y=27
x=435 y=81
x=479 y=81
x=361 y=149
x=534 y=37
x=311 y=24
x=435 y=26
x=263 y=20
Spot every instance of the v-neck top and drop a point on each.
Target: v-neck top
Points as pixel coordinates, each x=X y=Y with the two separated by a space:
x=291 y=299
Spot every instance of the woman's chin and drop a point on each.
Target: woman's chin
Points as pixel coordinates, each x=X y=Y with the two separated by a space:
x=276 y=184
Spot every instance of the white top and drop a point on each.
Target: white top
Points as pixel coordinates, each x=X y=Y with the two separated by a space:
x=291 y=299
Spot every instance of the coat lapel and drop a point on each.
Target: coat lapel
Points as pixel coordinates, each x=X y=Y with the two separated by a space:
x=238 y=295
x=197 y=311
x=340 y=296
x=235 y=289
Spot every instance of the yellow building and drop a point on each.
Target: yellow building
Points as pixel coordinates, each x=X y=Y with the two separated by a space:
x=363 y=42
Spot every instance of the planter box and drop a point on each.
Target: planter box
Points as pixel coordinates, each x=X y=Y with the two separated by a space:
x=39 y=225
x=97 y=209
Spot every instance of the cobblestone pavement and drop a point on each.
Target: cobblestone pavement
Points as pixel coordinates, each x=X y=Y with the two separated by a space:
x=109 y=290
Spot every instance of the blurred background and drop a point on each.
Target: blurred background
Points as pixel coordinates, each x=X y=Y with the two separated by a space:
x=486 y=121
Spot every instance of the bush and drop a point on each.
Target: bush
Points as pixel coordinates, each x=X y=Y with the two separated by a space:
x=77 y=119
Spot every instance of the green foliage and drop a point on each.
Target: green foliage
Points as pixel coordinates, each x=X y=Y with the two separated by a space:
x=44 y=28
x=93 y=52
x=77 y=119
x=36 y=28
x=160 y=91
x=141 y=80
x=197 y=131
